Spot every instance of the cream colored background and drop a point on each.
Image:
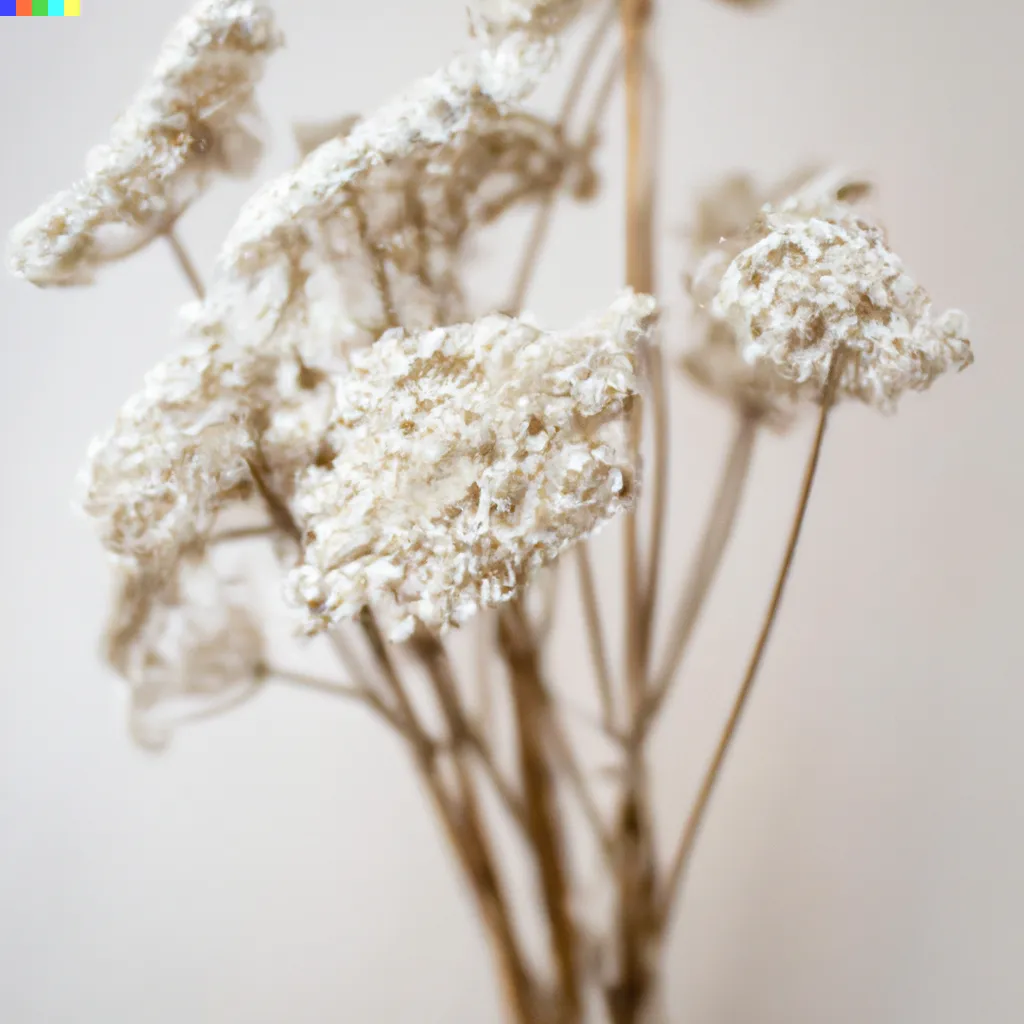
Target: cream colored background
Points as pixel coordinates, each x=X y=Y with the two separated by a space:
x=863 y=859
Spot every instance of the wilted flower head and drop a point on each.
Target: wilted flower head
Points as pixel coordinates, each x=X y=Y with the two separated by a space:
x=186 y=647
x=461 y=460
x=191 y=119
x=814 y=280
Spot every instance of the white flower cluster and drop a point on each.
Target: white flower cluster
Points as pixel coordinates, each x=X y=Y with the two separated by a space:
x=366 y=234
x=195 y=116
x=462 y=459
x=176 y=454
x=815 y=279
x=729 y=218
x=438 y=111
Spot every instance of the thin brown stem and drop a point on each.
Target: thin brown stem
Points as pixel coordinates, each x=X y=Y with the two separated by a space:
x=464 y=735
x=602 y=97
x=595 y=637
x=360 y=694
x=691 y=830
x=484 y=633
x=717 y=531
x=540 y=795
x=542 y=218
x=184 y=260
x=658 y=392
x=659 y=495
x=627 y=996
x=635 y=20
x=588 y=55
x=467 y=836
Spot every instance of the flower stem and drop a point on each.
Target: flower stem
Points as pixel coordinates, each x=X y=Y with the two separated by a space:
x=698 y=813
x=532 y=715
x=184 y=260
x=627 y=996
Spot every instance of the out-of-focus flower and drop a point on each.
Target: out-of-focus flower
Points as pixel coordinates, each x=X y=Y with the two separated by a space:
x=178 y=452
x=194 y=117
x=185 y=647
x=461 y=460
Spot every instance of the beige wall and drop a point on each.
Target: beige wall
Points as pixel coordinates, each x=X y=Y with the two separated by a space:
x=863 y=861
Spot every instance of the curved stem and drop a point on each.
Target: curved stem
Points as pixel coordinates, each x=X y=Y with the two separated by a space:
x=698 y=813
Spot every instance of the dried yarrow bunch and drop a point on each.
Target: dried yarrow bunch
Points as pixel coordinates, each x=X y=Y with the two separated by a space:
x=420 y=466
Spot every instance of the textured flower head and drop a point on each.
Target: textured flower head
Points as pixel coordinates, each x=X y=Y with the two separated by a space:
x=461 y=460
x=728 y=219
x=816 y=280
x=176 y=454
x=436 y=112
x=192 y=118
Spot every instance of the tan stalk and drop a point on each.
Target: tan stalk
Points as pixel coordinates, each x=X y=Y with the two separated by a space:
x=628 y=994
x=531 y=709
x=691 y=830
x=467 y=836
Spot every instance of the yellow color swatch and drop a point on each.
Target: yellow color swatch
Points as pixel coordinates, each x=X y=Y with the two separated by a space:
x=72 y=8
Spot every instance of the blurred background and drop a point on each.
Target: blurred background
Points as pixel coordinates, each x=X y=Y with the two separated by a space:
x=862 y=860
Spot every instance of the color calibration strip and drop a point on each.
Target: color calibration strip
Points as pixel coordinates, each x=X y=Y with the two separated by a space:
x=40 y=8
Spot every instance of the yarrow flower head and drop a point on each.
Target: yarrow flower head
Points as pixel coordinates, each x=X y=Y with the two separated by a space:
x=369 y=230
x=816 y=282
x=461 y=460
x=729 y=218
x=195 y=116
x=176 y=454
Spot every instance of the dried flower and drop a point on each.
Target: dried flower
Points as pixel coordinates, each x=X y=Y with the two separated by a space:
x=463 y=459
x=727 y=222
x=436 y=112
x=184 y=646
x=818 y=279
x=191 y=119
x=176 y=454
